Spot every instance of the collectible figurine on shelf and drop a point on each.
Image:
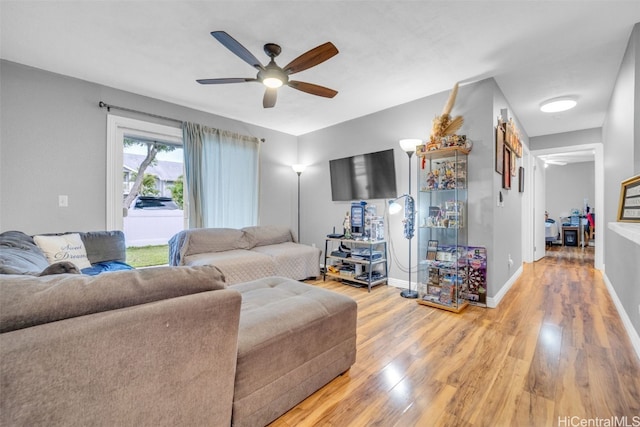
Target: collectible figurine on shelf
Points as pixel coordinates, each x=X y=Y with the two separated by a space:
x=347 y=226
x=432 y=181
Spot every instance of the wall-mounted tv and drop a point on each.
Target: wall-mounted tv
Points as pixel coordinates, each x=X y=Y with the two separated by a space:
x=363 y=177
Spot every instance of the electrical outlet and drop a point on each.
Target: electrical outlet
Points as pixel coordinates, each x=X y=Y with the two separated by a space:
x=63 y=201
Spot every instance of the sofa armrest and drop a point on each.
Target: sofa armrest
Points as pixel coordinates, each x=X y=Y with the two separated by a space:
x=169 y=362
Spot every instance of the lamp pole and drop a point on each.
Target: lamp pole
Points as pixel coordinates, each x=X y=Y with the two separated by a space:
x=298 y=169
x=409 y=146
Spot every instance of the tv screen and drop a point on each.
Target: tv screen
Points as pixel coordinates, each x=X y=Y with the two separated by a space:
x=363 y=177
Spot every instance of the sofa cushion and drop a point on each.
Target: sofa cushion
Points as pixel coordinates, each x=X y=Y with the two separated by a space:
x=28 y=301
x=105 y=246
x=67 y=247
x=293 y=260
x=263 y=235
x=20 y=255
x=237 y=265
x=101 y=245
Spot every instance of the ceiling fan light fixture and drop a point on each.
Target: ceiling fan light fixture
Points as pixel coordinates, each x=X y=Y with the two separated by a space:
x=557 y=105
x=272 y=82
x=272 y=75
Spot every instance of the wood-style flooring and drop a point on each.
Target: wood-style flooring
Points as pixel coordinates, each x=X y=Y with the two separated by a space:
x=554 y=353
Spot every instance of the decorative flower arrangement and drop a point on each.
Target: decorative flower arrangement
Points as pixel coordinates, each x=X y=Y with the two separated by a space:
x=443 y=131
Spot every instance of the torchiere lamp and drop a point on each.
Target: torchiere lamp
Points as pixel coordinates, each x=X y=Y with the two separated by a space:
x=409 y=146
x=298 y=168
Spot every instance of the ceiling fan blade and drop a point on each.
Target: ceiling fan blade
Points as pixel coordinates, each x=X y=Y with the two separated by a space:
x=311 y=58
x=234 y=46
x=313 y=89
x=223 y=81
x=270 y=97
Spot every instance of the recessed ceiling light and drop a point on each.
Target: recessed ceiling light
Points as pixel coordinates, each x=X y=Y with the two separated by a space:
x=557 y=104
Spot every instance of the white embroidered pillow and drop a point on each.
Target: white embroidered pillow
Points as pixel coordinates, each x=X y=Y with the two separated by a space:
x=68 y=247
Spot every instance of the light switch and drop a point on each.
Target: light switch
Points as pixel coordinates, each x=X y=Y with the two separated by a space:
x=63 y=201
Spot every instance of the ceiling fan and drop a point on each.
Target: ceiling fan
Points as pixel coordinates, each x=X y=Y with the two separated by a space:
x=272 y=75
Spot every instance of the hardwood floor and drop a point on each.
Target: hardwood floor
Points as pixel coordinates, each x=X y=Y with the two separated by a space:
x=555 y=348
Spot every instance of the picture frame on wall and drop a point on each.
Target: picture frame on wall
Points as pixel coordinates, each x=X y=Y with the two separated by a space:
x=513 y=163
x=500 y=148
x=506 y=171
x=629 y=206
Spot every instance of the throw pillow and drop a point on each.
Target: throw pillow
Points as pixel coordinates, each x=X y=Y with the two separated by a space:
x=68 y=247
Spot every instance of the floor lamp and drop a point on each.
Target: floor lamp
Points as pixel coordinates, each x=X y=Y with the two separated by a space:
x=409 y=146
x=298 y=169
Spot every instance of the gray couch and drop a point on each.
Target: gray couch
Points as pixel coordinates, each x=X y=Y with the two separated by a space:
x=166 y=346
x=246 y=254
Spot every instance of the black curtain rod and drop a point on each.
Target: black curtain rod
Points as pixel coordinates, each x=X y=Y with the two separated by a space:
x=115 y=107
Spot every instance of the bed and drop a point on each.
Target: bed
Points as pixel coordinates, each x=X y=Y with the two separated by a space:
x=551 y=231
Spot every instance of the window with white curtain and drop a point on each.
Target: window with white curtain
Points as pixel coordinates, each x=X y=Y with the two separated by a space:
x=222 y=177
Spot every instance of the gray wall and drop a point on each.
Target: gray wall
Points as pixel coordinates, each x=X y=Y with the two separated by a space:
x=566 y=139
x=53 y=141
x=479 y=103
x=567 y=187
x=621 y=150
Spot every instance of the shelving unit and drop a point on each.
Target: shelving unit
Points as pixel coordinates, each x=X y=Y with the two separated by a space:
x=442 y=228
x=366 y=264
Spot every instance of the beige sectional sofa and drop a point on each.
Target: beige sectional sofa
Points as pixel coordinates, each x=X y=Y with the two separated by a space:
x=165 y=346
x=141 y=347
x=246 y=254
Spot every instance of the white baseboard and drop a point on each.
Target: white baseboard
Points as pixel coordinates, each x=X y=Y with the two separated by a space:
x=492 y=302
x=397 y=283
x=626 y=321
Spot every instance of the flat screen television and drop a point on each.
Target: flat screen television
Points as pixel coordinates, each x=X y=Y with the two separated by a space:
x=363 y=177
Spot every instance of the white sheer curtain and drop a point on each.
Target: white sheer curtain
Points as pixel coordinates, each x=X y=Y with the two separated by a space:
x=222 y=177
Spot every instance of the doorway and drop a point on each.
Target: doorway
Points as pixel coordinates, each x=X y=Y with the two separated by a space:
x=596 y=151
x=154 y=214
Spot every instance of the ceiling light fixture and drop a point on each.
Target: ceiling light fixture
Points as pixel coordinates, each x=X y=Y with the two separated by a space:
x=557 y=105
x=272 y=82
x=272 y=76
x=554 y=162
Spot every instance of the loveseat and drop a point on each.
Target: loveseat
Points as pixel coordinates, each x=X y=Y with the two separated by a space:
x=166 y=346
x=246 y=254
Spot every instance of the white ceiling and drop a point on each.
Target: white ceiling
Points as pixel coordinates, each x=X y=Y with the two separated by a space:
x=391 y=52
